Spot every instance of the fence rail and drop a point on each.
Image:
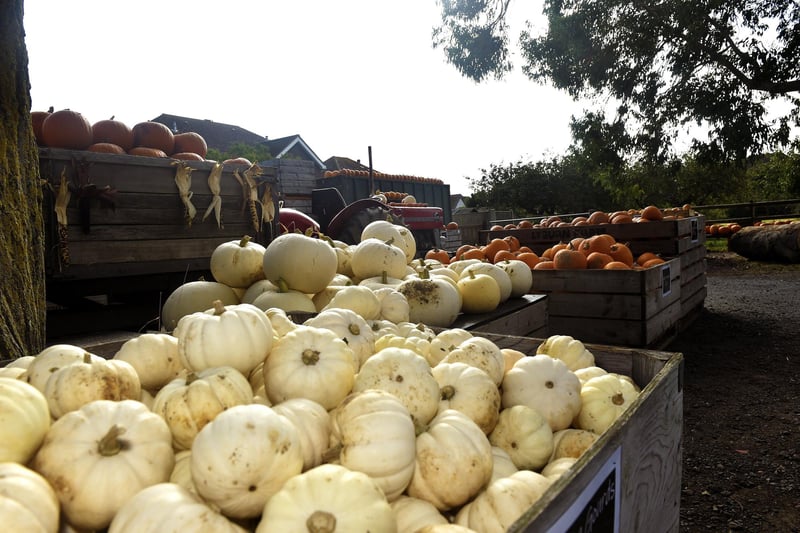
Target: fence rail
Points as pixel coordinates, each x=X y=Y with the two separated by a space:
x=748 y=213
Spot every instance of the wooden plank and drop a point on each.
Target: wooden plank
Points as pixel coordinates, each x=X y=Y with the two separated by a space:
x=147 y=232
x=88 y=253
x=516 y=316
x=617 y=331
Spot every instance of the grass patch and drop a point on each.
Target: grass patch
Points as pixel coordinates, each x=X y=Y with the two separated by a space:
x=716 y=244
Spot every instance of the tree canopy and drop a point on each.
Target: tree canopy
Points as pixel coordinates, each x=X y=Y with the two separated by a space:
x=665 y=65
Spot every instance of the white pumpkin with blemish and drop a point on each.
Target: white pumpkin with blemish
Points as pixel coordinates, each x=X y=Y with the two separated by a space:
x=525 y=435
x=313 y=425
x=405 y=374
x=238 y=263
x=470 y=390
x=154 y=356
x=191 y=402
x=243 y=457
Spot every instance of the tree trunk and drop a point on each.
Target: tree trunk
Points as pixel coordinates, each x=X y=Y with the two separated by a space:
x=778 y=242
x=22 y=279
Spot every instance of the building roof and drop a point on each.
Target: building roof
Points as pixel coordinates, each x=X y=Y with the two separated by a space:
x=294 y=145
x=216 y=134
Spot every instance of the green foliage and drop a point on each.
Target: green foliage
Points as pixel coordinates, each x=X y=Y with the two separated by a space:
x=250 y=152
x=668 y=64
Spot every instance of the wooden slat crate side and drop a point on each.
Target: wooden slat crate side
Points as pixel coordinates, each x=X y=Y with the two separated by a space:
x=174 y=216
x=120 y=273
x=693 y=255
x=612 y=306
x=618 y=332
x=664 y=247
x=88 y=253
x=692 y=227
x=139 y=174
x=528 y=321
x=649 y=438
x=146 y=232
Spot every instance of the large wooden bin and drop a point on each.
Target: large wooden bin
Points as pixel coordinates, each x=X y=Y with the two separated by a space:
x=525 y=316
x=630 y=479
x=128 y=239
x=614 y=307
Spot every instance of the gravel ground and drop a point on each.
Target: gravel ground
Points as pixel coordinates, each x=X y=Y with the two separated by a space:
x=742 y=400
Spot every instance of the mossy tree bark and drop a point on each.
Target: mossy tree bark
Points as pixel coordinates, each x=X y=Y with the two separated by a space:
x=22 y=278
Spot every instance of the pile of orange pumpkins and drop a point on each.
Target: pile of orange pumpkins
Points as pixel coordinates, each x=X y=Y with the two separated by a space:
x=70 y=130
x=650 y=213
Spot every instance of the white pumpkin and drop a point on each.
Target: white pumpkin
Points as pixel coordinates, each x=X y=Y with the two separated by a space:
x=382 y=281
x=568 y=349
x=154 y=356
x=169 y=507
x=502 y=464
x=452 y=448
x=73 y=386
x=521 y=276
x=24 y=420
x=419 y=345
x=482 y=353
x=98 y=457
x=510 y=356
x=51 y=359
x=433 y=302
x=358 y=299
x=182 y=471
x=412 y=514
x=349 y=326
x=503 y=502
x=313 y=424
x=500 y=276
x=525 y=435
x=558 y=467
x=239 y=336
x=547 y=385
x=238 y=263
x=405 y=374
x=27 y=501
x=383 y=327
x=311 y=363
x=281 y=322
x=445 y=341
x=194 y=297
x=299 y=262
x=189 y=403
x=572 y=442
x=394 y=306
x=470 y=390
x=372 y=257
x=328 y=498
x=285 y=299
x=603 y=400
x=372 y=432
x=256 y=289
x=400 y=236
x=243 y=457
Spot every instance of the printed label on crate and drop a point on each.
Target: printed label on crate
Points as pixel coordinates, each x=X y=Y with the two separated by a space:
x=695 y=231
x=666 y=282
x=596 y=509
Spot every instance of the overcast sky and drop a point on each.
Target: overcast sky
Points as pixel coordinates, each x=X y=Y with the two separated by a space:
x=343 y=74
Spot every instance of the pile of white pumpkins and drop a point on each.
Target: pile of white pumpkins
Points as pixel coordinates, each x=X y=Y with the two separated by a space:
x=240 y=419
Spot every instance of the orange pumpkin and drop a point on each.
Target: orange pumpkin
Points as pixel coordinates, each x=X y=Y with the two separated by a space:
x=439 y=255
x=598 y=260
x=491 y=248
x=622 y=253
x=529 y=258
x=616 y=265
x=106 y=148
x=153 y=135
x=37 y=118
x=114 y=132
x=146 y=152
x=67 y=129
x=652 y=212
x=569 y=259
x=545 y=264
x=190 y=142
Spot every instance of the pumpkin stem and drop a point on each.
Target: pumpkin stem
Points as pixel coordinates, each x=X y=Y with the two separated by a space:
x=448 y=391
x=87 y=358
x=354 y=329
x=332 y=453
x=191 y=377
x=219 y=307
x=385 y=277
x=111 y=444
x=321 y=522
x=282 y=285
x=245 y=240
x=618 y=399
x=310 y=357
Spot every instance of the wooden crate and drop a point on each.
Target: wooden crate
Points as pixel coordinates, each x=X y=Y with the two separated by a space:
x=128 y=237
x=614 y=307
x=451 y=240
x=143 y=228
x=630 y=480
x=525 y=316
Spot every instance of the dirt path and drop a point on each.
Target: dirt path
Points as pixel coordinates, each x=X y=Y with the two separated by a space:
x=742 y=400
